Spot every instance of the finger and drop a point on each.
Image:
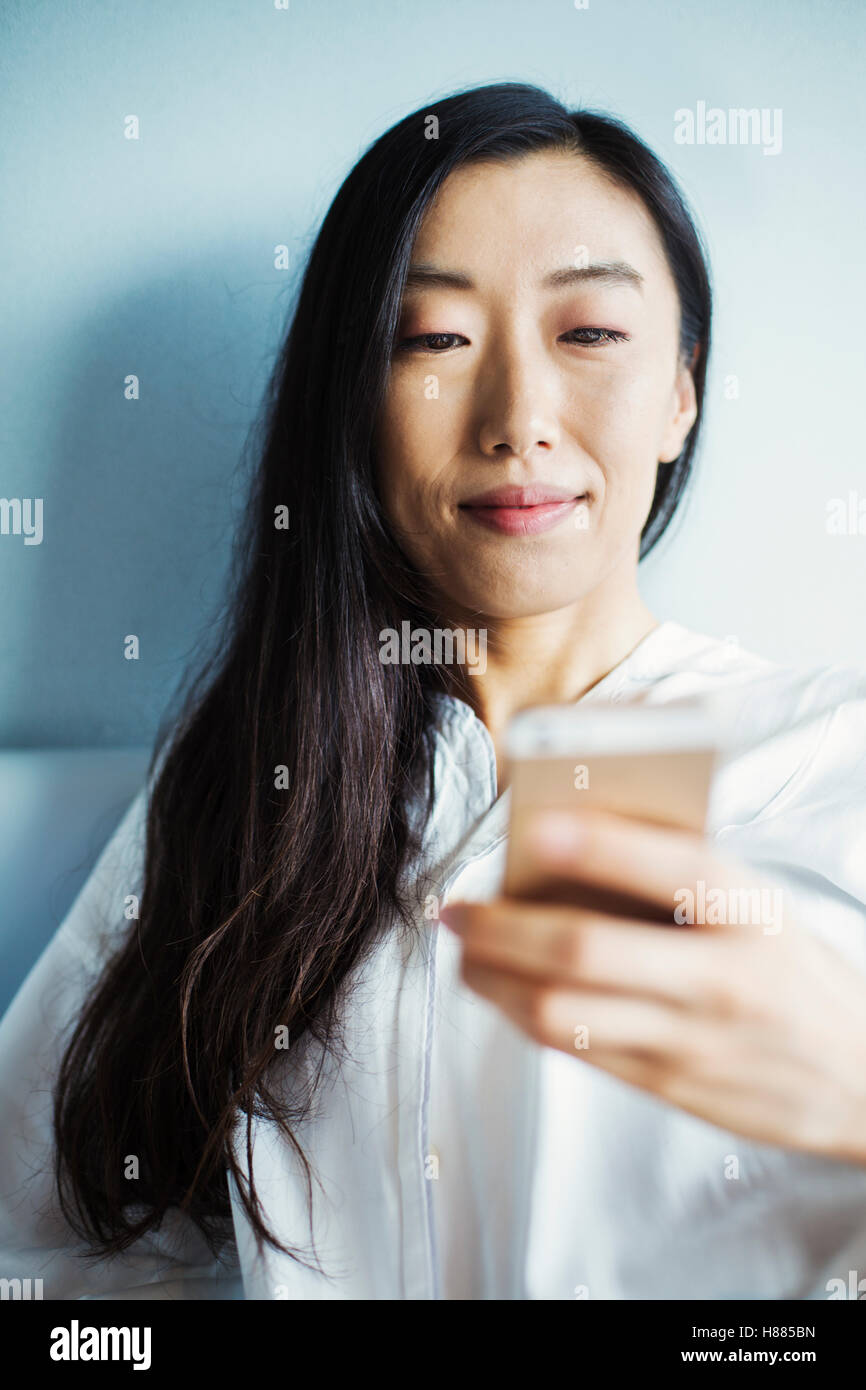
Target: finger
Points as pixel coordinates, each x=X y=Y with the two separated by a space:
x=566 y=945
x=597 y=1027
x=656 y=863
x=712 y=1094
x=682 y=1059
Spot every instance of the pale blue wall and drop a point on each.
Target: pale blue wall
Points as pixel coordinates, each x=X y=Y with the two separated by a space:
x=155 y=257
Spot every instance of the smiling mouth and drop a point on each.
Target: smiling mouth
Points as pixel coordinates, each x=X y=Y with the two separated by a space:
x=519 y=518
x=526 y=506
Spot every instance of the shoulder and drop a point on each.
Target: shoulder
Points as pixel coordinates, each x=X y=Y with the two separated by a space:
x=752 y=689
x=106 y=902
x=790 y=737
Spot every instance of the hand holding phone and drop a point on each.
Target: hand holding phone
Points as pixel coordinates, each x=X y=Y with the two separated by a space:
x=651 y=763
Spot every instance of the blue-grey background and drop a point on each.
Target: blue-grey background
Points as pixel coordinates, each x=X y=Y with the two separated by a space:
x=156 y=257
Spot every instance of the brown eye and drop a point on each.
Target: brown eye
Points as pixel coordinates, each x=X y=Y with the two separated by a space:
x=433 y=342
x=590 y=337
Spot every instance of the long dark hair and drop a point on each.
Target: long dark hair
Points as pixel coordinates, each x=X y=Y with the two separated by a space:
x=279 y=832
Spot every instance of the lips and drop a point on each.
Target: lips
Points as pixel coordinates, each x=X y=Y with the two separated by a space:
x=533 y=495
x=524 y=511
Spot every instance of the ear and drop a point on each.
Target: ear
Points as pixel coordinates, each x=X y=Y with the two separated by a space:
x=684 y=411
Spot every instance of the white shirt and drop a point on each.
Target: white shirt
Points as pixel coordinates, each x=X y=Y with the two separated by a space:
x=457 y=1158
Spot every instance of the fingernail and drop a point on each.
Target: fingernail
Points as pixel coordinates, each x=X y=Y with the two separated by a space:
x=451 y=917
x=556 y=836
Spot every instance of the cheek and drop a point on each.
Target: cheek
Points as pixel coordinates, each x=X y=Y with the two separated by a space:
x=393 y=442
x=620 y=417
x=415 y=439
x=620 y=426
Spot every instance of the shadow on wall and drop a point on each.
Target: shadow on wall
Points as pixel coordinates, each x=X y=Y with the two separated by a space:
x=141 y=498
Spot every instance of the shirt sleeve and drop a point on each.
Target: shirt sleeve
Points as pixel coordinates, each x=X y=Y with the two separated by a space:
x=805 y=775
x=36 y=1242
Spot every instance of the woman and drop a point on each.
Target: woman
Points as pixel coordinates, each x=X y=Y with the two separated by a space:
x=250 y=1064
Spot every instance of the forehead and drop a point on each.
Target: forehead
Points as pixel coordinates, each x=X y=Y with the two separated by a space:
x=520 y=217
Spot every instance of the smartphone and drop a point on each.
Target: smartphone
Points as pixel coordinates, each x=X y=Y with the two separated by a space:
x=653 y=763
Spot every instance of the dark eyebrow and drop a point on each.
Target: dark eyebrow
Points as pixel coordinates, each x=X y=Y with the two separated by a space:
x=608 y=272
x=425 y=276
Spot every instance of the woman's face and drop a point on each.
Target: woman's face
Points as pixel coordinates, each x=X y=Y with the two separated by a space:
x=537 y=349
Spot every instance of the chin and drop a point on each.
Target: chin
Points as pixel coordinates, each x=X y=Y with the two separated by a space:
x=525 y=601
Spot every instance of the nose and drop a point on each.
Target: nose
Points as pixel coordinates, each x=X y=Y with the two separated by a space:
x=517 y=415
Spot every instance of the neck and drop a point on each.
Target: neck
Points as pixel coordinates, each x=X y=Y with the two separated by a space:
x=551 y=657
